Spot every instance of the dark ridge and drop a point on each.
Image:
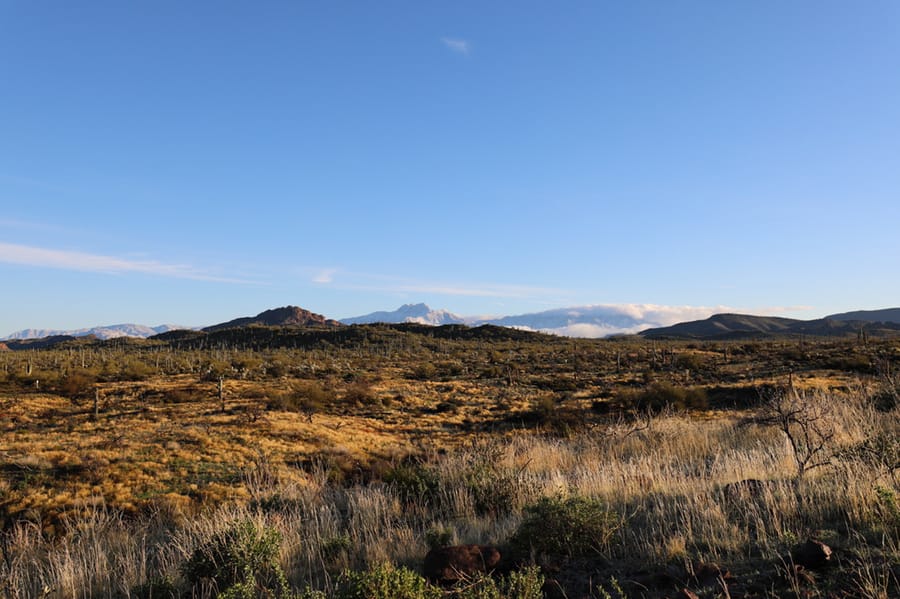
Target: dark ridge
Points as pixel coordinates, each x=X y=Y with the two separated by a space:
x=43 y=342
x=745 y=326
x=885 y=315
x=274 y=337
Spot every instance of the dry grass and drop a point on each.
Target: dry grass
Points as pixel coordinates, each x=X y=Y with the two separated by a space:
x=667 y=481
x=95 y=507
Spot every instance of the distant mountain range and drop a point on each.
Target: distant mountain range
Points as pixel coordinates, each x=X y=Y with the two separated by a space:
x=886 y=315
x=101 y=332
x=579 y=321
x=647 y=320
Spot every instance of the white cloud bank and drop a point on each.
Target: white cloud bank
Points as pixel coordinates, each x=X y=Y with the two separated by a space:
x=24 y=255
x=602 y=320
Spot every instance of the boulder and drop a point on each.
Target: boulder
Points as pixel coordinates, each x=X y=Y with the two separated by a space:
x=812 y=555
x=709 y=573
x=446 y=565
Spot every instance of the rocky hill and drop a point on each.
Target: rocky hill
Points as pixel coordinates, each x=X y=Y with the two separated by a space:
x=288 y=316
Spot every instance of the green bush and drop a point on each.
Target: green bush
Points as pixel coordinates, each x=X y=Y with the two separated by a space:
x=438 y=536
x=689 y=361
x=241 y=561
x=156 y=588
x=424 y=371
x=574 y=527
x=77 y=384
x=523 y=584
x=385 y=581
x=414 y=483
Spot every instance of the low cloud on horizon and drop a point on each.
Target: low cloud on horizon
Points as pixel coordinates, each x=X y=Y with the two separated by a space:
x=603 y=320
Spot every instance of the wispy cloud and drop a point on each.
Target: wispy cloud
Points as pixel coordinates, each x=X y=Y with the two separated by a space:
x=357 y=281
x=471 y=290
x=23 y=225
x=81 y=261
x=460 y=46
x=324 y=276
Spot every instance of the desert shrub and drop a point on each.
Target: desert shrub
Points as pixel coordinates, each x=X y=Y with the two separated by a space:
x=241 y=560
x=423 y=371
x=385 y=581
x=556 y=419
x=852 y=363
x=335 y=552
x=561 y=383
x=360 y=392
x=574 y=527
x=438 y=536
x=156 y=588
x=450 y=368
x=186 y=395
x=658 y=396
x=246 y=364
x=214 y=370
x=493 y=489
x=689 y=361
x=308 y=398
x=493 y=372
x=414 y=483
x=77 y=384
x=522 y=584
x=136 y=370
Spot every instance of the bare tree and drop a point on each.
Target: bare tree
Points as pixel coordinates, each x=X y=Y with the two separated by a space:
x=806 y=419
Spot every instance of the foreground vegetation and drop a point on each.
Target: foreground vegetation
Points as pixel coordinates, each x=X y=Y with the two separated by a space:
x=327 y=467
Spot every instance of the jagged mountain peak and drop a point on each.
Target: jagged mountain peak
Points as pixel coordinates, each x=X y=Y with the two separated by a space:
x=419 y=313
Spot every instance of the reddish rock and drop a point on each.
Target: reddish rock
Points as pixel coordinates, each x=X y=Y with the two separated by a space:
x=449 y=564
x=812 y=555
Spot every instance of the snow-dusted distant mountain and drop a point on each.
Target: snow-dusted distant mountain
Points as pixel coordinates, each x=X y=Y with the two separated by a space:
x=578 y=321
x=418 y=313
x=601 y=320
x=101 y=332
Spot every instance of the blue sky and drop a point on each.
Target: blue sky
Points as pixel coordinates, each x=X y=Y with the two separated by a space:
x=192 y=162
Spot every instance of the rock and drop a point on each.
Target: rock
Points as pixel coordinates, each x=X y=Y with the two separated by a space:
x=706 y=574
x=686 y=594
x=449 y=564
x=797 y=574
x=812 y=555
